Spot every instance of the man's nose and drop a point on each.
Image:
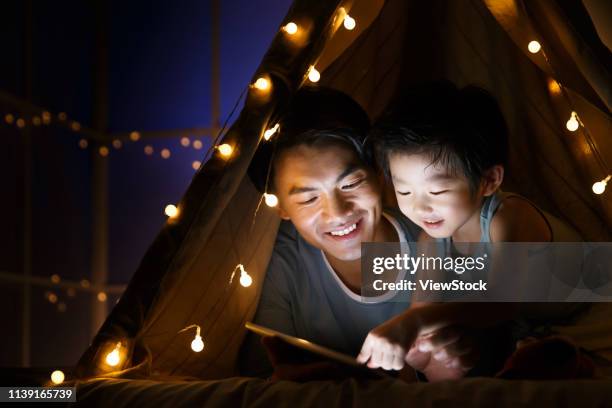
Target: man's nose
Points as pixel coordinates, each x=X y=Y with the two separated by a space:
x=337 y=208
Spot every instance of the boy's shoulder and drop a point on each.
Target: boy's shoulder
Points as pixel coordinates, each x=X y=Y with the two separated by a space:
x=519 y=220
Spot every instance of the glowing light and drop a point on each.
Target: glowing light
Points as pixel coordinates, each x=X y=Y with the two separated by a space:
x=113 y=358
x=75 y=126
x=349 y=22
x=534 y=47
x=572 y=124
x=271 y=200
x=290 y=28
x=36 y=121
x=262 y=84
x=83 y=143
x=225 y=150
x=9 y=118
x=270 y=132
x=85 y=283
x=46 y=117
x=171 y=210
x=185 y=141
x=165 y=153
x=57 y=377
x=117 y=144
x=197 y=344
x=102 y=297
x=55 y=278
x=600 y=186
x=52 y=297
x=103 y=151
x=20 y=123
x=313 y=74
x=196 y=164
x=554 y=87
x=148 y=150
x=197 y=144
x=245 y=278
x=135 y=136
x=62 y=116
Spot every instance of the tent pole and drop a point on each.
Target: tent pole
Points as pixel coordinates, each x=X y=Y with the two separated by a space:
x=215 y=83
x=99 y=184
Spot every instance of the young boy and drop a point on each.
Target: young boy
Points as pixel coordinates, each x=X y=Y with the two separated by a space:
x=445 y=150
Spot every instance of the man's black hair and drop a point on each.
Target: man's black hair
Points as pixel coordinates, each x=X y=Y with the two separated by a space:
x=315 y=116
x=462 y=129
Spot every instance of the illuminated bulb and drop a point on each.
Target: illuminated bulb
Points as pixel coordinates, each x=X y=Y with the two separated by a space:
x=270 y=132
x=534 y=47
x=349 y=22
x=112 y=358
x=36 y=121
x=271 y=200
x=55 y=278
x=20 y=123
x=600 y=186
x=196 y=164
x=83 y=143
x=9 y=118
x=225 y=150
x=46 y=117
x=76 y=126
x=165 y=153
x=554 y=87
x=185 y=141
x=197 y=144
x=148 y=150
x=103 y=151
x=291 y=28
x=57 y=377
x=313 y=74
x=197 y=344
x=102 y=297
x=85 y=283
x=262 y=84
x=245 y=278
x=171 y=210
x=52 y=298
x=117 y=144
x=134 y=136
x=572 y=124
x=62 y=116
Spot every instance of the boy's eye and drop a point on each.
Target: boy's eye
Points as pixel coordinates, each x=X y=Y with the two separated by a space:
x=352 y=184
x=403 y=193
x=438 y=192
x=309 y=201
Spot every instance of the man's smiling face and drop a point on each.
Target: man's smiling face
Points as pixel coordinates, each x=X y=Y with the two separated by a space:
x=331 y=197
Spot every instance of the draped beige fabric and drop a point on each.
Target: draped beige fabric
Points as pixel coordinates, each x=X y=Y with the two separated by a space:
x=184 y=277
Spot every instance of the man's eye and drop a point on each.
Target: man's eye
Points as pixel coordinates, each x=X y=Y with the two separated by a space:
x=438 y=192
x=352 y=184
x=403 y=193
x=310 y=200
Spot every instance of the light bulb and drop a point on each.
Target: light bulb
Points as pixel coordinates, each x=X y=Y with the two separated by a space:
x=271 y=200
x=225 y=150
x=148 y=150
x=9 y=118
x=197 y=344
x=349 y=22
x=101 y=297
x=197 y=144
x=196 y=164
x=165 y=153
x=600 y=186
x=534 y=47
x=313 y=74
x=291 y=28
x=245 y=278
x=57 y=377
x=572 y=124
x=134 y=136
x=270 y=132
x=262 y=84
x=171 y=210
x=113 y=358
x=76 y=126
x=83 y=143
x=185 y=141
x=103 y=151
x=117 y=144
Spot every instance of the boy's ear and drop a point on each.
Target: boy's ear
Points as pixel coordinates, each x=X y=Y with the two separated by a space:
x=492 y=179
x=282 y=213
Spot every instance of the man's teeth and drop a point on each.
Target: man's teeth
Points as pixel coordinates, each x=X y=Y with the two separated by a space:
x=344 y=231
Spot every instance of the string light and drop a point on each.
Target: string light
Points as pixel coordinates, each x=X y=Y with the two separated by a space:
x=102 y=297
x=85 y=283
x=262 y=84
x=117 y=144
x=36 y=121
x=554 y=87
x=196 y=164
x=349 y=22
x=62 y=116
x=55 y=278
x=225 y=150
x=148 y=150
x=165 y=153
x=313 y=74
x=20 y=123
x=197 y=144
x=57 y=377
x=75 y=126
x=83 y=143
x=113 y=358
x=245 y=278
x=270 y=132
x=103 y=151
x=534 y=47
x=271 y=200
x=9 y=118
x=52 y=297
x=600 y=186
x=573 y=124
x=290 y=28
x=185 y=141
x=171 y=211
x=134 y=136
x=197 y=344
x=46 y=117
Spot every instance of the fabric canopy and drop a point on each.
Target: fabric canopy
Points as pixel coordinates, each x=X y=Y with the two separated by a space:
x=189 y=276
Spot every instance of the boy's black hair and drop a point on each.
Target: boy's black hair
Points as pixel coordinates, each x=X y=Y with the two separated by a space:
x=315 y=116
x=462 y=129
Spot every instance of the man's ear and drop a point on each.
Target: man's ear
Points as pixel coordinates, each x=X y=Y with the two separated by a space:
x=282 y=213
x=492 y=179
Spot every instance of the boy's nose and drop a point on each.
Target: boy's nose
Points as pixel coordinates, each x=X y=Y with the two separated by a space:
x=422 y=207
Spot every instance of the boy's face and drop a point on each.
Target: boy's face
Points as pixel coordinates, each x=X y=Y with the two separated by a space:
x=331 y=197
x=432 y=197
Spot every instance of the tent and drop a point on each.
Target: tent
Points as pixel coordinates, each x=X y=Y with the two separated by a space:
x=191 y=273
